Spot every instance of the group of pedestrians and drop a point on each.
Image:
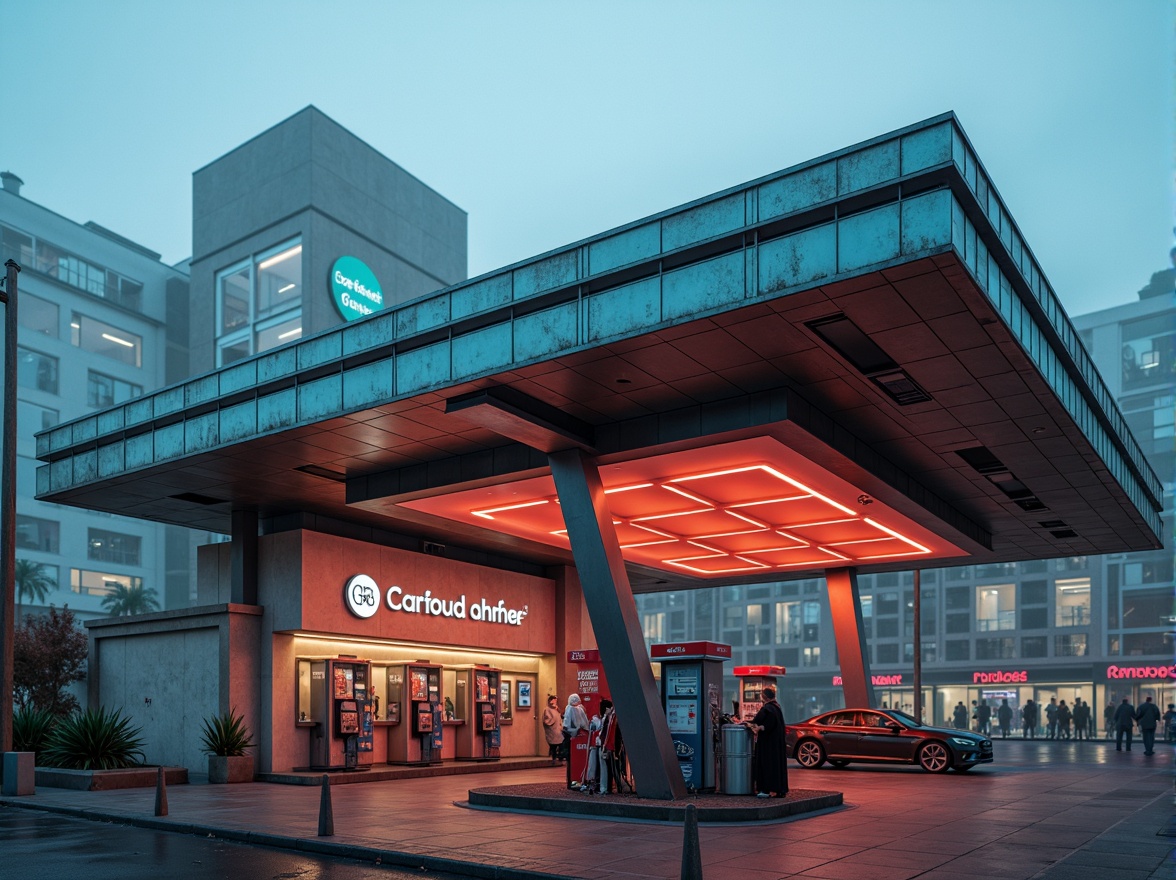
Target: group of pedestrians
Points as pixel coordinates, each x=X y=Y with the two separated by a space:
x=1147 y=717
x=1078 y=722
x=604 y=760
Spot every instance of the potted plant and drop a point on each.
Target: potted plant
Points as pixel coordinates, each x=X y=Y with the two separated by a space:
x=225 y=740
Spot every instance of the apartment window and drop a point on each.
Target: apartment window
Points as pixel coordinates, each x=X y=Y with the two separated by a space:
x=732 y=616
x=957 y=599
x=33 y=533
x=1147 y=351
x=758 y=626
x=812 y=621
x=1070 y=645
x=996 y=649
x=1147 y=609
x=811 y=656
x=1034 y=618
x=996 y=569
x=929 y=613
x=929 y=651
x=788 y=625
x=1034 y=593
x=653 y=627
x=958 y=623
x=259 y=302
x=886 y=628
x=996 y=607
x=957 y=649
x=960 y=573
x=787 y=657
x=1142 y=644
x=35 y=370
x=1072 y=563
x=38 y=315
x=103 y=390
x=90 y=334
x=887 y=653
x=105 y=546
x=1034 y=646
x=1153 y=571
x=886 y=603
x=1072 y=597
x=98 y=583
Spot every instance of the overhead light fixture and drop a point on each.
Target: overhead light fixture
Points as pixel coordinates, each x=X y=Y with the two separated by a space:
x=289 y=286
x=297 y=331
x=119 y=340
x=278 y=258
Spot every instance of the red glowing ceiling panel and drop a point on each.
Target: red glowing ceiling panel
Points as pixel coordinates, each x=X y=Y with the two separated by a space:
x=747 y=507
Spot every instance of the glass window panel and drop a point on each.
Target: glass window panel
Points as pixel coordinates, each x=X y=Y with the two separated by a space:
x=1073 y=645
x=279 y=280
x=288 y=330
x=996 y=606
x=957 y=649
x=1034 y=646
x=35 y=370
x=1147 y=609
x=230 y=352
x=31 y=418
x=1072 y=598
x=103 y=390
x=34 y=533
x=233 y=299
x=98 y=583
x=106 y=546
x=90 y=334
x=38 y=315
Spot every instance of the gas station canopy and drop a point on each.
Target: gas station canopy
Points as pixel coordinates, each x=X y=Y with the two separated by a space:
x=854 y=362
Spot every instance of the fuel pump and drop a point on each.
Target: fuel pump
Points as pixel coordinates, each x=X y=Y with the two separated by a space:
x=692 y=695
x=752 y=680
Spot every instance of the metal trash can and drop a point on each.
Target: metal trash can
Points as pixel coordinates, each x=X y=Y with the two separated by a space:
x=736 y=759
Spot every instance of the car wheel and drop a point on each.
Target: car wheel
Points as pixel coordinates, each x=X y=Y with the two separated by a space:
x=934 y=757
x=838 y=762
x=810 y=754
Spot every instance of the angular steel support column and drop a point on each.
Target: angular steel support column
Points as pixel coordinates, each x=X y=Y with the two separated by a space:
x=243 y=560
x=609 y=599
x=846 y=606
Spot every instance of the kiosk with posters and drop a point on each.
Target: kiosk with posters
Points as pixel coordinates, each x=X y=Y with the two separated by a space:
x=752 y=681
x=340 y=714
x=414 y=699
x=692 y=695
x=478 y=702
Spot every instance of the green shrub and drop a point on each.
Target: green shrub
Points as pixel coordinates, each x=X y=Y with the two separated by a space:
x=226 y=734
x=94 y=740
x=31 y=729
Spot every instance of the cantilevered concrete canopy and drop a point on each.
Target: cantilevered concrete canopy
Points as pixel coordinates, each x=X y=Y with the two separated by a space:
x=853 y=364
x=874 y=310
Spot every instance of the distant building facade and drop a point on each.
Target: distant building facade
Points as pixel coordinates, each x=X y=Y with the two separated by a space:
x=101 y=321
x=1092 y=628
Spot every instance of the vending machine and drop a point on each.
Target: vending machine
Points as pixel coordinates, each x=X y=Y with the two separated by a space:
x=751 y=682
x=592 y=687
x=341 y=707
x=414 y=706
x=692 y=696
x=478 y=703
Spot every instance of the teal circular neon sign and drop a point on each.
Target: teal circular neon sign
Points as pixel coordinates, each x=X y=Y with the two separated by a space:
x=355 y=289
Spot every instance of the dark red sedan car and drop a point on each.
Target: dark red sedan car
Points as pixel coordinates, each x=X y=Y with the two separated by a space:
x=884 y=735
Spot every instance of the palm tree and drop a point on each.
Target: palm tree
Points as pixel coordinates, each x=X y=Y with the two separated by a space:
x=31 y=581
x=125 y=601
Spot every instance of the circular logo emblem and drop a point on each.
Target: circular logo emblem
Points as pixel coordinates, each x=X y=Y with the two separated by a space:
x=362 y=596
x=355 y=289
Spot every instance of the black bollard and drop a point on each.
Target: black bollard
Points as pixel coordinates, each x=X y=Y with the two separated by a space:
x=326 y=815
x=691 y=854
x=160 y=794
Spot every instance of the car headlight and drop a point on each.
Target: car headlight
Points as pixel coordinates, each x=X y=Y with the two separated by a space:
x=960 y=741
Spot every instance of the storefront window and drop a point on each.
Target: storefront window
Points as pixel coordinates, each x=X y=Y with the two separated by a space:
x=1072 y=597
x=996 y=607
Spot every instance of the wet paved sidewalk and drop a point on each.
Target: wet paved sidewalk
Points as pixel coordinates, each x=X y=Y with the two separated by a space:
x=1043 y=810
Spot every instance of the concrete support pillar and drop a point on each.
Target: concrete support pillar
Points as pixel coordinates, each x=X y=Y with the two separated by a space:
x=846 y=606
x=243 y=564
x=609 y=599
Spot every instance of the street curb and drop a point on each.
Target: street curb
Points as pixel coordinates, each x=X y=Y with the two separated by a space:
x=395 y=858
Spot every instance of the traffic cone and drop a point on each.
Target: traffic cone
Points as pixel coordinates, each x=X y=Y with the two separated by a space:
x=326 y=815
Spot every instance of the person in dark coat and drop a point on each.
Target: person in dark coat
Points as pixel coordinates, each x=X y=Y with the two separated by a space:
x=1124 y=721
x=1005 y=716
x=1148 y=718
x=771 y=753
x=1029 y=720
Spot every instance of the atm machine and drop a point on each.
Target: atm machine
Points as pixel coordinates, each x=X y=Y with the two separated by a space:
x=692 y=697
x=341 y=707
x=414 y=706
x=752 y=680
x=479 y=697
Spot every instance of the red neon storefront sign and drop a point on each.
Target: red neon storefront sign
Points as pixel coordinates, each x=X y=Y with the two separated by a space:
x=1000 y=676
x=1141 y=671
x=876 y=680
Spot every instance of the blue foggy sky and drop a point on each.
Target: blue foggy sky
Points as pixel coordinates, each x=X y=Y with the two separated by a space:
x=549 y=122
